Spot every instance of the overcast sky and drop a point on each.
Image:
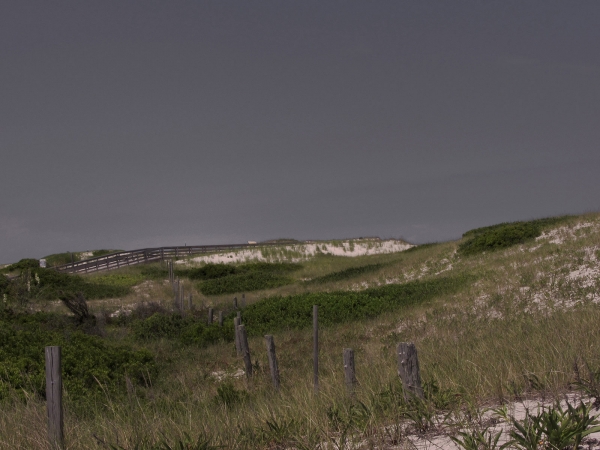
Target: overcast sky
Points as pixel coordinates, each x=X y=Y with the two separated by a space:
x=152 y=123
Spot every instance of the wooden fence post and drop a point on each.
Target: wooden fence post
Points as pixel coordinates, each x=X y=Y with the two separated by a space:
x=245 y=350
x=210 y=316
x=349 y=370
x=220 y=318
x=54 y=398
x=408 y=370
x=190 y=303
x=243 y=301
x=235 y=306
x=316 y=347
x=238 y=348
x=239 y=316
x=272 y=360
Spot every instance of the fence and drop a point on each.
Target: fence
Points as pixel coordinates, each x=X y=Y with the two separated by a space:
x=408 y=371
x=146 y=255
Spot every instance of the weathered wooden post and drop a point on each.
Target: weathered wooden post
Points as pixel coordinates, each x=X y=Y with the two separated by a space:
x=245 y=350
x=272 y=360
x=210 y=316
x=220 y=318
x=235 y=306
x=238 y=348
x=243 y=301
x=181 y=304
x=54 y=398
x=408 y=370
x=239 y=316
x=316 y=347
x=349 y=370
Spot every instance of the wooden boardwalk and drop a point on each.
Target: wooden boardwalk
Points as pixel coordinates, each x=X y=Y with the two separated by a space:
x=145 y=255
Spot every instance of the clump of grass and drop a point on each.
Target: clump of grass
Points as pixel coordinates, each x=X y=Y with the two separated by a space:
x=345 y=274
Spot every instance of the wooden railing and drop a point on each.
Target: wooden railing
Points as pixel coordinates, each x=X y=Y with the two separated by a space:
x=147 y=255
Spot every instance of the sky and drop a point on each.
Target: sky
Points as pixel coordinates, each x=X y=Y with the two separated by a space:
x=137 y=124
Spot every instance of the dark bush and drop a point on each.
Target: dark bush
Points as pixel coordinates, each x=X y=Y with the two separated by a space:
x=505 y=235
x=245 y=282
x=188 y=330
x=295 y=311
x=210 y=272
x=23 y=265
x=89 y=364
x=346 y=273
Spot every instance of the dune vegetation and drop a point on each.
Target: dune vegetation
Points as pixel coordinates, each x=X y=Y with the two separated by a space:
x=507 y=313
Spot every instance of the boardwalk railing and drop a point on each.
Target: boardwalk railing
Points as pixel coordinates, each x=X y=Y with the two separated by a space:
x=146 y=255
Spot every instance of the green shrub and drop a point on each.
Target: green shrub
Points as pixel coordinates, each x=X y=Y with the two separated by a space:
x=188 y=330
x=247 y=282
x=346 y=273
x=295 y=311
x=208 y=272
x=505 y=235
x=52 y=283
x=48 y=284
x=153 y=271
x=89 y=364
x=22 y=266
x=59 y=259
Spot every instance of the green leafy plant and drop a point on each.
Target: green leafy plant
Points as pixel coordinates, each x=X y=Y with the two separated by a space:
x=479 y=440
x=555 y=428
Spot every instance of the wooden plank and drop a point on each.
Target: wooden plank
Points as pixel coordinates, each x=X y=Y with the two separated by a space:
x=349 y=370
x=272 y=361
x=54 y=397
x=316 y=347
x=408 y=370
x=245 y=350
x=238 y=348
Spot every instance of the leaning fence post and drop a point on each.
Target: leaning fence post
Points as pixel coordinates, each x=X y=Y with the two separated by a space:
x=408 y=370
x=245 y=349
x=349 y=370
x=238 y=348
x=316 y=347
x=272 y=360
x=54 y=397
x=210 y=316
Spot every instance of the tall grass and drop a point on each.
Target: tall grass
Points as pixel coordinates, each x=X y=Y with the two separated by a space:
x=490 y=328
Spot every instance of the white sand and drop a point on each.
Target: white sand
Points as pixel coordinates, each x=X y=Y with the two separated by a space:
x=300 y=252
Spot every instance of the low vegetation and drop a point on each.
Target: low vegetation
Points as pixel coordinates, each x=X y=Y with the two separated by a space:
x=511 y=318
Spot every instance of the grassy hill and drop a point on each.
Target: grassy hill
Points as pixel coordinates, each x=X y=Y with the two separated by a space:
x=509 y=311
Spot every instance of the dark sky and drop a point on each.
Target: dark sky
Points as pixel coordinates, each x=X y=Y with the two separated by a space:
x=150 y=123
